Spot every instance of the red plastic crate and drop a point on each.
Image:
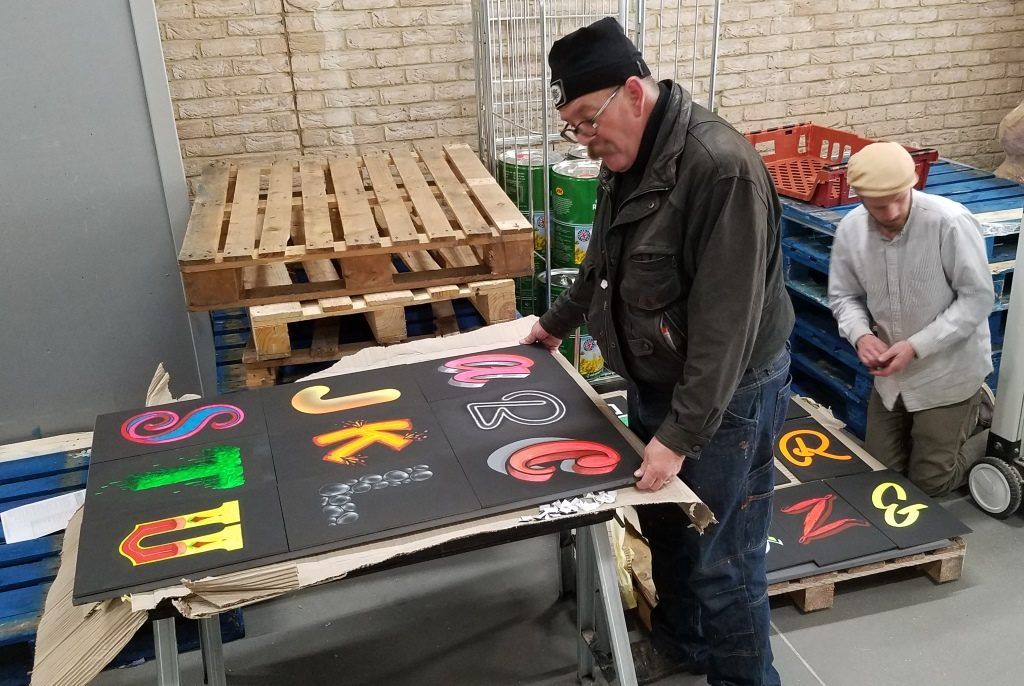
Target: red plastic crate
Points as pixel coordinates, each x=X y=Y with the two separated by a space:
x=808 y=161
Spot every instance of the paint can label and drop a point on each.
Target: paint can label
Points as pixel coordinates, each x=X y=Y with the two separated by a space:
x=579 y=347
x=569 y=243
x=574 y=191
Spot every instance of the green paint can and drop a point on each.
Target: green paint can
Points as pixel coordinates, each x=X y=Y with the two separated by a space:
x=528 y=295
x=569 y=243
x=578 y=152
x=574 y=191
x=521 y=175
x=579 y=347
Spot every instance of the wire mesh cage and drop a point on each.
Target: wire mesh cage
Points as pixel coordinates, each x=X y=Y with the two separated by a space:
x=518 y=126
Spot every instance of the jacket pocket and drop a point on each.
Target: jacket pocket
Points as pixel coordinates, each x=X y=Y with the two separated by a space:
x=650 y=281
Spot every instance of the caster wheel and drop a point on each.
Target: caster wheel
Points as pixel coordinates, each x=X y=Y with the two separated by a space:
x=996 y=486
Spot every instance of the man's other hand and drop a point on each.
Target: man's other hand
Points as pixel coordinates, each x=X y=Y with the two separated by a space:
x=895 y=359
x=539 y=335
x=869 y=348
x=661 y=464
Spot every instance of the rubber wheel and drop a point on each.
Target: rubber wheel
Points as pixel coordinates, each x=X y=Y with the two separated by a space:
x=996 y=486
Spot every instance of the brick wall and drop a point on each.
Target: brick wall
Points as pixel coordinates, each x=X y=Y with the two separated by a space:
x=264 y=78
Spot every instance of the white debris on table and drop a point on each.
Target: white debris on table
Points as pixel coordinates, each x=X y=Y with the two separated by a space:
x=568 y=507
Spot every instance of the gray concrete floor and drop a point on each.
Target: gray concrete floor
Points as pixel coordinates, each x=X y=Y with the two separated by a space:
x=494 y=617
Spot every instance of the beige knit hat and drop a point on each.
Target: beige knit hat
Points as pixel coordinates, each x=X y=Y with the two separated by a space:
x=881 y=169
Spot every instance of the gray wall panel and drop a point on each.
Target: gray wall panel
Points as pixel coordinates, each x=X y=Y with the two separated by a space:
x=91 y=295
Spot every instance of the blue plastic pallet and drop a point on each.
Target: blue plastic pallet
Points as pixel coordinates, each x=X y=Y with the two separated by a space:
x=28 y=568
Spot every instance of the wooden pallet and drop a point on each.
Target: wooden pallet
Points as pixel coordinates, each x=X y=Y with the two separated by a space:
x=815 y=592
x=272 y=346
x=311 y=228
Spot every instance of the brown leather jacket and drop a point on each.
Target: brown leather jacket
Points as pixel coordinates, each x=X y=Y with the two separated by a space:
x=682 y=282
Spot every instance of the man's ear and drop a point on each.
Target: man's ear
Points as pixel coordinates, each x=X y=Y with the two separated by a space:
x=636 y=94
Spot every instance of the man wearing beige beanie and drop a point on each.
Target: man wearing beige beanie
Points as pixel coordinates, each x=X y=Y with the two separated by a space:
x=910 y=286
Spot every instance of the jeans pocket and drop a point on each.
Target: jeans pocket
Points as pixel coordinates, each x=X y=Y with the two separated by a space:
x=757 y=507
x=744 y=409
x=781 y=407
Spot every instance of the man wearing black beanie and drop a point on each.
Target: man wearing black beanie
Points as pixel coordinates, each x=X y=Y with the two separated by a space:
x=682 y=287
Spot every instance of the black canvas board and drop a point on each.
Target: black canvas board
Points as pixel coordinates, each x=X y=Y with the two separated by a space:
x=281 y=403
x=780 y=477
x=103 y=571
x=133 y=487
x=537 y=364
x=297 y=456
x=364 y=502
x=795 y=411
x=915 y=518
x=811 y=452
x=241 y=414
x=485 y=455
x=826 y=542
x=784 y=550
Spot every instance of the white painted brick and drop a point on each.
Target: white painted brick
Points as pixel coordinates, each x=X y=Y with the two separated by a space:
x=367 y=4
x=455 y=53
x=264 y=142
x=886 y=32
x=969 y=59
x=770 y=44
x=771 y=110
x=399 y=18
x=211 y=107
x=1010 y=87
x=397 y=95
x=911 y=110
x=399 y=57
x=768 y=10
x=315 y=138
x=242 y=85
x=891 y=96
x=889 y=130
x=327 y=119
x=865 y=115
x=273 y=45
x=995 y=9
x=194 y=128
x=456 y=127
x=925 y=124
x=861 y=37
x=812 y=7
x=455 y=90
x=789 y=25
x=911 y=78
x=186 y=29
x=200 y=69
x=175 y=50
x=964 y=91
x=227 y=47
x=992 y=41
x=267 y=6
x=266 y=103
x=338 y=21
x=815 y=73
x=433 y=73
x=353 y=98
x=365 y=135
x=732 y=48
x=847 y=69
x=173 y=9
x=410 y=131
x=833 y=22
x=788 y=60
x=257 y=26
x=810 y=41
x=187 y=90
x=453 y=16
x=212 y=147
x=383 y=115
x=272 y=64
x=939 y=30
x=377 y=77
x=222 y=8
x=306 y=62
x=359 y=59
x=892 y=66
x=436 y=110
x=871 y=52
x=373 y=40
x=736 y=98
x=973 y=28
x=233 y=126
x=428 y=36
x=830 y=87
x=909 y=48
x=831 y=56
x=297 y=23
x=321 y=81
x=761 y=79
x=931 y=62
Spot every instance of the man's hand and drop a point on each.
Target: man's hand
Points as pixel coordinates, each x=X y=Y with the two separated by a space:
x=869 y=348
x=895 y=359
x=659 y=467
x=539 y=335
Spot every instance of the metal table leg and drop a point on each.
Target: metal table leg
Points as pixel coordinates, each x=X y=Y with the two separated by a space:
x=585 y=607
x=166 y=644
x=213 y=651
x=566 y=564
x=614 y=619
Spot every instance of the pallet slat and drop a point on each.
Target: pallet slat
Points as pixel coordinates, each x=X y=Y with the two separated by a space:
x=498 y=207
x=466 y=213
x=203 y=236
x=357 y=221
x=399 y=224
x=316 y=217
x=241 y=236
x=277 y=221
x=434 y=221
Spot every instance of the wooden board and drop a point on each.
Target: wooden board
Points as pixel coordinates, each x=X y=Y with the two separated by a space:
x=345 y=220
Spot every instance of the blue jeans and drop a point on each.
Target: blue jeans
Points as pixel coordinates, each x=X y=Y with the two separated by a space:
x=712 y=592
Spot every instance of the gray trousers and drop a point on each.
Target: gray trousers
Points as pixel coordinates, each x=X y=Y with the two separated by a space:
x=924 y=445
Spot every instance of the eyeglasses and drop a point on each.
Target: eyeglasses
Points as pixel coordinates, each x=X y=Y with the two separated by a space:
x=571 y=132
